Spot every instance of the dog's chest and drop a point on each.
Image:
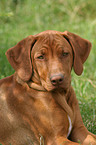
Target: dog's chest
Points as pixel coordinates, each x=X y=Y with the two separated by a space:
x=52 y=117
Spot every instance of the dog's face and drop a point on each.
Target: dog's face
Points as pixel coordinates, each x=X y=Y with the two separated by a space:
x=52 y=61
x=47 y=58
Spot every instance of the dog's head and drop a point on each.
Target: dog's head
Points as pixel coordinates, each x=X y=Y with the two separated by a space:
x=48 y=57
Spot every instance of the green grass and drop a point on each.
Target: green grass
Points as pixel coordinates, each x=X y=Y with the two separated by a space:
x=31 y=17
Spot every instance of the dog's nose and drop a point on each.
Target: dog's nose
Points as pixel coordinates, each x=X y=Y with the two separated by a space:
x=57 y=79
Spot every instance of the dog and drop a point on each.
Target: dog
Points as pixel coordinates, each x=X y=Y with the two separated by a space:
x=37 y=103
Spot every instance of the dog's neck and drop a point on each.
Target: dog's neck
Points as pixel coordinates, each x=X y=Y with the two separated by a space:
x=30 y=84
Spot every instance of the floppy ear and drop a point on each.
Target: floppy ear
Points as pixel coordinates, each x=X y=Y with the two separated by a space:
x=19 y=57
x=81 y=49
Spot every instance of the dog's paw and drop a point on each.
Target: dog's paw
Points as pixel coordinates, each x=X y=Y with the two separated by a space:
x=89 y=140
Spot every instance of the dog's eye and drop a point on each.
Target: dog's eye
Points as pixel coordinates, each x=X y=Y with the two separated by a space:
x=41 y=57
x=65 y=53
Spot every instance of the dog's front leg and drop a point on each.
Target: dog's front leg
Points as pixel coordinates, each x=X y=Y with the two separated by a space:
x=79 y=132
x=89 y=140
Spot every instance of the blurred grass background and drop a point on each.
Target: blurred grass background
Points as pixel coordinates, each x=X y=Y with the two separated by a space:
x=20 y=18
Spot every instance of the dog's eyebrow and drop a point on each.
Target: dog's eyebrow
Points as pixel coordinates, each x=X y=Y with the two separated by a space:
x=44 y=46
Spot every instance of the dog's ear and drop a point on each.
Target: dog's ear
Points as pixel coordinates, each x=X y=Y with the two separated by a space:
x=81 y=49
x=20 y=58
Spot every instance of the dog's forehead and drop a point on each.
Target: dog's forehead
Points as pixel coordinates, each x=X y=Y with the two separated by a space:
x=49 y=35
x=51 y=38
x=48 y=32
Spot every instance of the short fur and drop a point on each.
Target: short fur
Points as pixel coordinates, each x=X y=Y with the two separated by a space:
x=37 y=103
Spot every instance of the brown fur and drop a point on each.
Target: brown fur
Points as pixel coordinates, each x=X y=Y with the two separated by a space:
x=37 y=99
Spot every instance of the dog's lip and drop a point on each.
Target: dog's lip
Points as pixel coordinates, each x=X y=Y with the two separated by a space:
x=57 y=87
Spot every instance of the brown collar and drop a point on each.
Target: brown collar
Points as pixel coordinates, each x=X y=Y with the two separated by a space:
x=36 y=86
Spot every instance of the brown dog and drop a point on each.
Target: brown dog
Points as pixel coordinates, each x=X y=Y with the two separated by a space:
x=37 y=103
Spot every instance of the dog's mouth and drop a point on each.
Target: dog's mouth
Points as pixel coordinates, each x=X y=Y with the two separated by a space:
x=59 y=87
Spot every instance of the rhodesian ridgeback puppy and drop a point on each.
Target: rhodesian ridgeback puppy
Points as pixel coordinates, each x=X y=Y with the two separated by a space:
x=37 y=103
